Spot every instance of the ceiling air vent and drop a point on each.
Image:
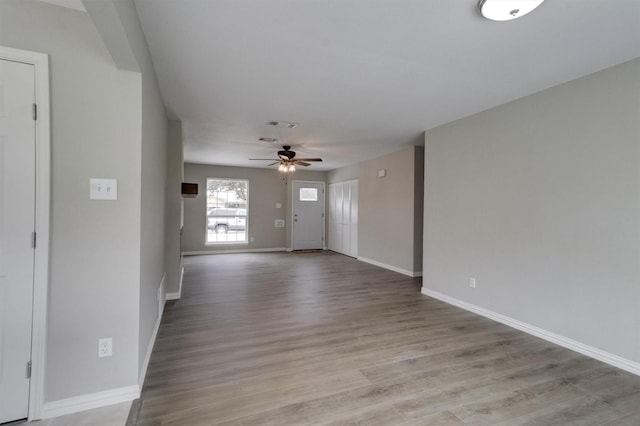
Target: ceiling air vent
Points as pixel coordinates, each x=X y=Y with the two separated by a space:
x=284 y=124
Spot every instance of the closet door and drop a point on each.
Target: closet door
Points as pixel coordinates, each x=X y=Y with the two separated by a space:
x=343 y=217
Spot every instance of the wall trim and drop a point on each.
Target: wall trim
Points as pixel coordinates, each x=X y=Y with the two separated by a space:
x=152 y=342
x=590 y=351
x=40 y=61
x=162 y=294
x=162 y=297
x=176 y=295
x=248 y=250
x=389 y=267
x=90 y=401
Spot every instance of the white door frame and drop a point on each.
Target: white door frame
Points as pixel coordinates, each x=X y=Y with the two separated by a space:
x=40 y=61
x=324 y=209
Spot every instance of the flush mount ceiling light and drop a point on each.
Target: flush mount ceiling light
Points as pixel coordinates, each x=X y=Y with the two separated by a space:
x=506 y=10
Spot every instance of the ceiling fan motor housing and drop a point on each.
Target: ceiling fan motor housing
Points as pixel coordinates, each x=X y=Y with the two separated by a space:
x=286 y=153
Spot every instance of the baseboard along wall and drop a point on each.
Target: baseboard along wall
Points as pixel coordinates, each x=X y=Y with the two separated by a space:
x=247 y=250
x=590 y=351
x=390 y=267
x=90 y=401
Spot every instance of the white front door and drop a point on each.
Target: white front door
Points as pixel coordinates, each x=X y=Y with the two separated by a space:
x=17 y=216
x=308 y=215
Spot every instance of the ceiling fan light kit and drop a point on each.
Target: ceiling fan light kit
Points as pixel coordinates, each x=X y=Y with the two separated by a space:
x=286 y=160
x=506 y=10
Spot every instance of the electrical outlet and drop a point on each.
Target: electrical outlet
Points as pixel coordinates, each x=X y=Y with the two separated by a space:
x=105 y=347
x=472 y=282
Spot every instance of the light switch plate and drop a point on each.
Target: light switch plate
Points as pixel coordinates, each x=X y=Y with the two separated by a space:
x=279 y=223
x=278 y=205
x=103 y=189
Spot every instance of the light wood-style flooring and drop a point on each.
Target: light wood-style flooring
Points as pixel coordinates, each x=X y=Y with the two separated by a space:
x=320 y=338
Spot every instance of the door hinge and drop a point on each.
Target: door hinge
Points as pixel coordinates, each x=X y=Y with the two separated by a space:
x=33 y=240
x=35 y=112
x=28 y=369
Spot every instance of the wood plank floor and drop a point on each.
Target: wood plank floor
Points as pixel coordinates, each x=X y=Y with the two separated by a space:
x=320 y=338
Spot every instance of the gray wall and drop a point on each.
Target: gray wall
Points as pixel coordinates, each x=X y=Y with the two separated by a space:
x=266 y=188
x=107 y=257
x=539 y=200
x=95 y=245
x=153 y=175
x=418 y=208
x=175 y=173
x=388 y=229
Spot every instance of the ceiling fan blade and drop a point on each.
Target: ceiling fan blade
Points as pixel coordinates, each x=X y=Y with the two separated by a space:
x=300 y=163
x=309 y=159
x=273 y=164
x=265 y=159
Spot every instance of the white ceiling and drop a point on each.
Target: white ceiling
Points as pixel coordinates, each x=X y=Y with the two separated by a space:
x=71 y=4
x=362 y=77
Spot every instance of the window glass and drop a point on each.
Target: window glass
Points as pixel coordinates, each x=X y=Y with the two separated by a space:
x=227 y=209
x=308 y=194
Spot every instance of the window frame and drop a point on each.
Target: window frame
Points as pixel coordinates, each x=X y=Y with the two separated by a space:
x=208 y=243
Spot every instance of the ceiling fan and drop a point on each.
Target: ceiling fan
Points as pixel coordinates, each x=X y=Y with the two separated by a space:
x=287 y=160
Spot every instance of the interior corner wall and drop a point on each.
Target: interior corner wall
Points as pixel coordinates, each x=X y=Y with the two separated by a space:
x=95 y=245
x=153 y=182
x=387 y=232
x=539 y=200
x=266 y=188
x=175 y=172
x=418 y=209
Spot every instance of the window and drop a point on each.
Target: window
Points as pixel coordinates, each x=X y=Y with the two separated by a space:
x=227 y=211
x=308 y=194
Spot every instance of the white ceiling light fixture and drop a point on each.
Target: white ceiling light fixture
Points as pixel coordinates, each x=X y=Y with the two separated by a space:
x=286 y=167
x=506 y=10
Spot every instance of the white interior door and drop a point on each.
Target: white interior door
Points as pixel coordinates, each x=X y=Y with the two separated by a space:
x=308 y=215
x=17 y=210
x=334 y=208
x=343 y=217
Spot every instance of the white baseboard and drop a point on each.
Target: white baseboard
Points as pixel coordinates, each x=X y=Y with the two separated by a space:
x=390 y=267
x=590 y=351
x=162 y=293
x=152 y=341
x=176 y=295
x=247 y=250
x=87 y=402
x=173 y=295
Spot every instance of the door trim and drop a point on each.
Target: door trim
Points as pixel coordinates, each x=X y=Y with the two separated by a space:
x=40 y=61
x=324 y=209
